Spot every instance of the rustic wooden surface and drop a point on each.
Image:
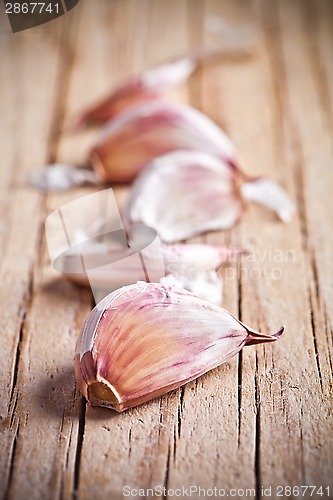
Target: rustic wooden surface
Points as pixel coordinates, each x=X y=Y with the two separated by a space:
x=263 y=418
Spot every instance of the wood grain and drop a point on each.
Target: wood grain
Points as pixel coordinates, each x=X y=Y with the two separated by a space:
x=262 y=419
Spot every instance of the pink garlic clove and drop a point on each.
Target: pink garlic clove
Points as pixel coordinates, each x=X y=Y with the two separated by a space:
x=147 y=339
x=133 y=139
x=185 y=193
x=137 y=90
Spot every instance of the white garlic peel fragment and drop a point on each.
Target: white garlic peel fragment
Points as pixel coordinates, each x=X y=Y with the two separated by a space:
x=269 y=194
x=205 y=284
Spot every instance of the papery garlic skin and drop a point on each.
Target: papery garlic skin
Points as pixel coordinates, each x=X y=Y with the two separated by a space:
x=133 y=139
x=204 y=284
x=269 y=194
x=146 y=339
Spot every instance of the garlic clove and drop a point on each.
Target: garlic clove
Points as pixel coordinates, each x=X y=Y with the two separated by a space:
x=137 y=90
x=147 y=339
x=185 y=193
x=133 y=139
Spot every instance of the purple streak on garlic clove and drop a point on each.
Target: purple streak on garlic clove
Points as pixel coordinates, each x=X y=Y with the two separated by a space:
x=147 y=339
x=185 y=193
x=133 y=139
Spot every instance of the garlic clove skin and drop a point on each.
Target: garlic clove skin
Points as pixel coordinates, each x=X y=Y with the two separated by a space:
x=183 y=194
x=194 y=268
x=147 y=339
x=133 y=139
x=137 y=90
x=60 y=177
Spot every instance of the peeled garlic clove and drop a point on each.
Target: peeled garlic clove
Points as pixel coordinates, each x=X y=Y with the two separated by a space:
x=133 y=139
x=147 y=339
x=137 y=90
x=185 y=193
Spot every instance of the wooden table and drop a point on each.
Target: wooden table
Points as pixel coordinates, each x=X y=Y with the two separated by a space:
x=263 y=418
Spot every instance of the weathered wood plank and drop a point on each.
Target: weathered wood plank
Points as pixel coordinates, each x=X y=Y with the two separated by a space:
x=244 y=93
x=290 y=365
x=27 y=90
x=312 y=142
x=260 y=419
x=211 y=419
x=313 y=136
x=250 y=93
x=40 y=420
